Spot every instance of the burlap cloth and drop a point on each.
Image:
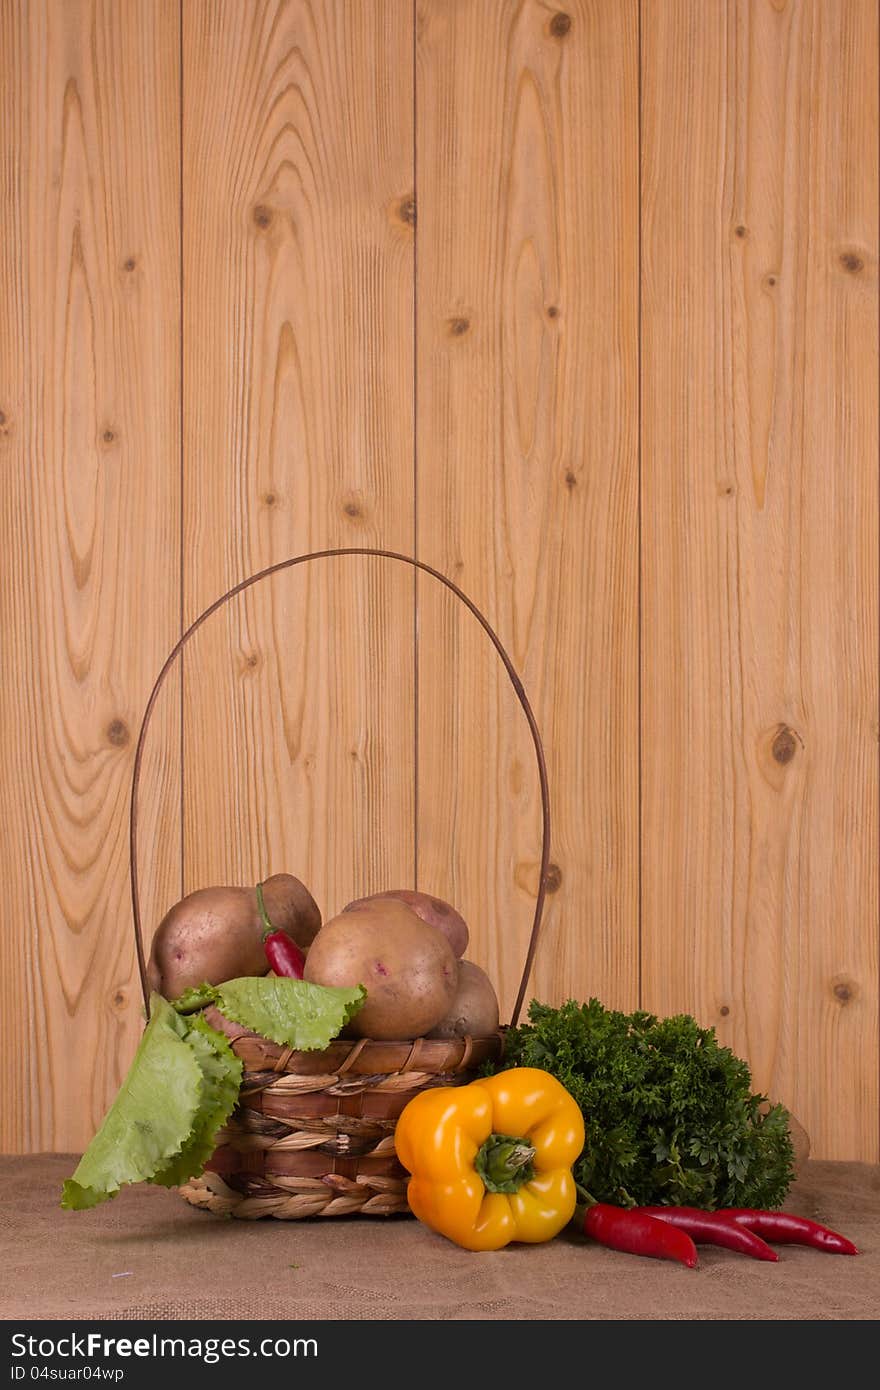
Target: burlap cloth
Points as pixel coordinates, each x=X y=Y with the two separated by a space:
x=149 y=1255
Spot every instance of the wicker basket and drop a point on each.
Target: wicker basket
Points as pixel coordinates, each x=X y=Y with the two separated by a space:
x=313 y=1132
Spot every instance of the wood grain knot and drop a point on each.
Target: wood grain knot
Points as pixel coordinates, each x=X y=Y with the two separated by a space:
x=117 y=733
x=252 y=661
x=844 y=990
x=741 y=231
x=352 y=509
x=2 y=418
x=560 y=24
x=269 y=499
x=129 y=264
x=458 y=327
x=571 y=481
x=108 y=437
x=784 y=745
x=724 y=1010
x=553 y=879
x=119 y=999
x=527 y=877
x=406 y=211
x=262 y=216
x=769 y=282
x=852 y=263
x=552 y=311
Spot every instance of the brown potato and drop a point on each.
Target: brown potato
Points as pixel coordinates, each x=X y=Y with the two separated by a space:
x=291 y=908
x=214 y=934
x=407 y=968
x=474 y=1010
x=432 y=910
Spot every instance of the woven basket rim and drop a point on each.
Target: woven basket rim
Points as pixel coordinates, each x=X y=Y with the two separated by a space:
x=360 y=1056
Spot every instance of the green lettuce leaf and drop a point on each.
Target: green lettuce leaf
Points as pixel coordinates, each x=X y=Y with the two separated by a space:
x=195 y=998
x=183 y=1083
x=221 y=1077
x=291 y=1012
x=149 y=1121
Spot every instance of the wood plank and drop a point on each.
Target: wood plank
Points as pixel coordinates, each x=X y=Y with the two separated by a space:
x=89 y=528
x=527 y=479
x=298 y=252
x=760 y=558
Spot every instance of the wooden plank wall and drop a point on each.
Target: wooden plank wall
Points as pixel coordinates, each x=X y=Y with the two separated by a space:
x=527 y=477
x=580 y=304
x=759 y=542
x=89 y=520
x=298 y=434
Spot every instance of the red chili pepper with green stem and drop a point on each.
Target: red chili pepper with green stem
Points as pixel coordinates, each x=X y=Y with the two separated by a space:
x=635 y=1233
x=282 y=952
x=787 y=1229
x=711 y=1228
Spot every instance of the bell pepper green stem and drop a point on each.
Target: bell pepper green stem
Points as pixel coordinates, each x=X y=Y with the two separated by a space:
x=504 y=1162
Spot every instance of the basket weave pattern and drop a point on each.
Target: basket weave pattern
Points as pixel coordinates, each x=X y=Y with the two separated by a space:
x=310 y=1142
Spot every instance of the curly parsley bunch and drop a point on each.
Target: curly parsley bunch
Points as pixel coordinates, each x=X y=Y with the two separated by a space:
x=670 y=1114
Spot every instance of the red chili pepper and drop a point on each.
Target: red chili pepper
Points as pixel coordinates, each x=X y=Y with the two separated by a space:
x=712 y=1228
x=282 y=952
x=786 y=1229
x=634 y=1232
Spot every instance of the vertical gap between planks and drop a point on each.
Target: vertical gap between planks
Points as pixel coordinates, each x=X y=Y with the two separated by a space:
x=878 y=619
x=415 y=446
x=181 y=499
x=639 y=847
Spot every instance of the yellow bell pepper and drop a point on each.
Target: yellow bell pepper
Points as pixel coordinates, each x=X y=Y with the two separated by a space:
x=491 y=1161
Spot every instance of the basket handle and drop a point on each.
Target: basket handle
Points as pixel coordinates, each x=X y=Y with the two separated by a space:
x=508 y=666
